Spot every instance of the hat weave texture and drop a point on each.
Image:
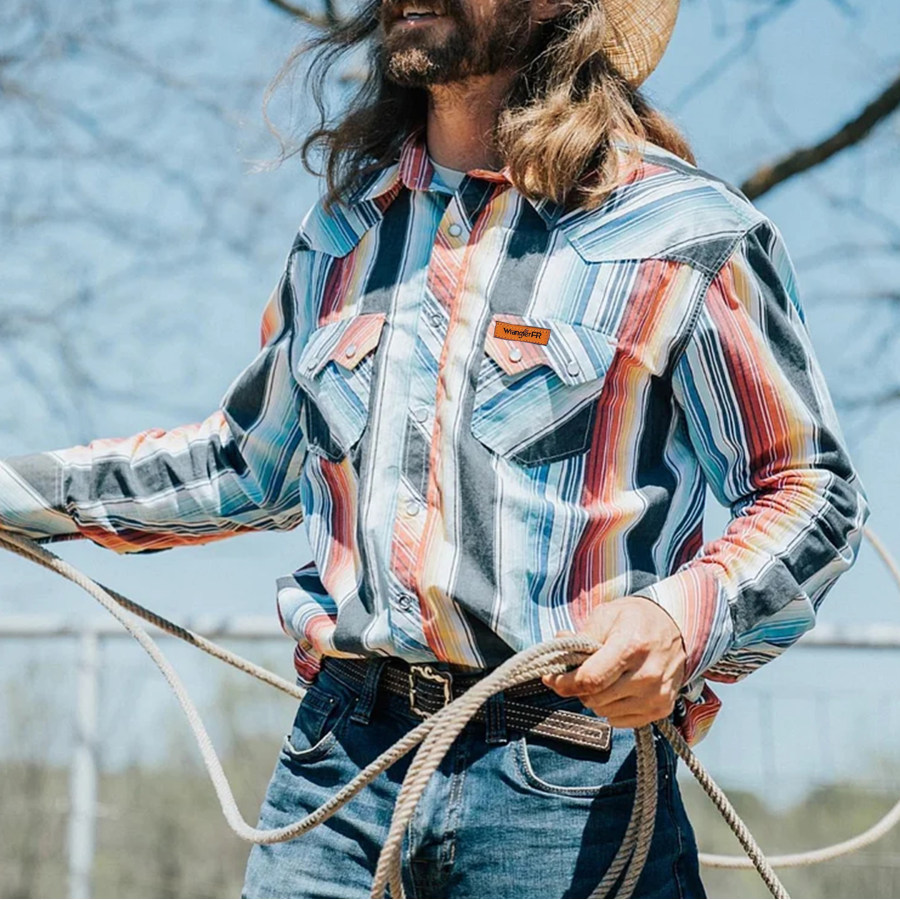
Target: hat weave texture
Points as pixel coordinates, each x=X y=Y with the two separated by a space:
x=638 y=32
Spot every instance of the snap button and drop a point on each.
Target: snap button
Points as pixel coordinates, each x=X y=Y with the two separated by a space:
x=436 y=319
x=404 y=602
x=420 y=414
x=412 y=508
x=454 y=230
x=350 y=351
x=573 y=368
x=515 y=354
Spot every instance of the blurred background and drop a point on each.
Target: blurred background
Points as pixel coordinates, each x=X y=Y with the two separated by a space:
x=139 y=240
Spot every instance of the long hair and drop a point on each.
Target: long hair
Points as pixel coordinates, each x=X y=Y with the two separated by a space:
x=554 y=128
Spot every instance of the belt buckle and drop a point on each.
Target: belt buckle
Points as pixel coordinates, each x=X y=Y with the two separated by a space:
x=427 y=673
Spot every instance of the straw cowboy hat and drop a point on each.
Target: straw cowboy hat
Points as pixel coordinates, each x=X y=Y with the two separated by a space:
x=638 y=32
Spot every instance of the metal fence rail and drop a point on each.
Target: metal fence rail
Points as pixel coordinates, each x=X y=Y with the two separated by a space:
x=84 y=770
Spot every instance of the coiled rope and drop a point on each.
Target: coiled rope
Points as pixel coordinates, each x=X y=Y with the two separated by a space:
x=437 y=733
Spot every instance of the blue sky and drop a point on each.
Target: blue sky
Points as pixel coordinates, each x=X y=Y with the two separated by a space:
x=171 y=292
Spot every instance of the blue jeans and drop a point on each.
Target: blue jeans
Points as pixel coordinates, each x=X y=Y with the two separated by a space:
x=523 y=817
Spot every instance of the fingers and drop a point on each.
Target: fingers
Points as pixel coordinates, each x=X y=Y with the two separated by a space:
x=626 y=712
x=631 y=711
x=634 y=697
x=636 y=721
x=634 y=677
x=623 y=688
x=600 y=670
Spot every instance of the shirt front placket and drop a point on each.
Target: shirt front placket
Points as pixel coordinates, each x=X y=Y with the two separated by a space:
x=452 y=311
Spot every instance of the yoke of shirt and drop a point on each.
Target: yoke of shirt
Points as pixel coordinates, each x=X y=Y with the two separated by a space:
x=515 y=283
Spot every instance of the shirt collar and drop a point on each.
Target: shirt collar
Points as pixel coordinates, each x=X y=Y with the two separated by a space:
x=415 y=172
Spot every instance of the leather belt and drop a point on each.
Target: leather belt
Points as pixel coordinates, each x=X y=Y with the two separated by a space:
x=429 y=689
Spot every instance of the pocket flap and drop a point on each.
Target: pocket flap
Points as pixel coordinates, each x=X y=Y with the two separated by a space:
x=346 y=342
x=577 y=353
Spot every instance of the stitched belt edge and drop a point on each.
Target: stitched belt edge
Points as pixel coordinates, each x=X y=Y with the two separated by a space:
x=558 y=724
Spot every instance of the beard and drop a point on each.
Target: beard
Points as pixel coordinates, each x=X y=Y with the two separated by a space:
x=452 y=49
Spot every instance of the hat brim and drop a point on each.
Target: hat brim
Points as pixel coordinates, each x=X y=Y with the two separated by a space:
x=638 y=33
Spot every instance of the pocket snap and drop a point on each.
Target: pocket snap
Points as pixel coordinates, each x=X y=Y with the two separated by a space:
x=335 y=367
x=534 y=403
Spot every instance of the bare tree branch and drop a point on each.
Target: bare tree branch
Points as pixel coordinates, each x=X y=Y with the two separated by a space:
x=304 y=15
x=331 y=13
x=801 y=160
x=110 y=176
x=751 y=30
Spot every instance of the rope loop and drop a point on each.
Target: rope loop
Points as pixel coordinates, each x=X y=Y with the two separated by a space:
x=437 y=733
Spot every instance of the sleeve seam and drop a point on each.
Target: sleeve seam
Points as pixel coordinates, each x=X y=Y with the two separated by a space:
x=710 y=275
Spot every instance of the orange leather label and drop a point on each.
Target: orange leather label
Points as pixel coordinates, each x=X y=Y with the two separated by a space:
x=521 y=333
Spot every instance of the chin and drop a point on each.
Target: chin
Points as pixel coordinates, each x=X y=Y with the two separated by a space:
x=415 y=67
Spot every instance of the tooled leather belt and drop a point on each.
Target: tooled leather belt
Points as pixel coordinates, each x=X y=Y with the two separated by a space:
x=428 y=689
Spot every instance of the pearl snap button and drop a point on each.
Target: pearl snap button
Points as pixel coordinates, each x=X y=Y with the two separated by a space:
x=573 y=368
x=436 y=319
x=454 y=230
x=515 y=354
x=404 y=602
x=350 y=351
x=420 y=414
x=412 y=508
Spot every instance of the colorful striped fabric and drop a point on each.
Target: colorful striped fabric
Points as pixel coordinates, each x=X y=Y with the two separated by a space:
x=467 y=493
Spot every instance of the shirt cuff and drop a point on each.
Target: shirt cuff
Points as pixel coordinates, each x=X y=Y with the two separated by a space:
x=696 y=602
x=28 y=498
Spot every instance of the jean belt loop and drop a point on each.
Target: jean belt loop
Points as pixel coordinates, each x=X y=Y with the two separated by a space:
x=365 y=703
x=495 y=720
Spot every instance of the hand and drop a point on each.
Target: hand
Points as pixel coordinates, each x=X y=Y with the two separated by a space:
x=634 y=678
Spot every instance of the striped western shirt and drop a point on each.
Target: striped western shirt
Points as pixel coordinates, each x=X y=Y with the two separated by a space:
x=492 y=414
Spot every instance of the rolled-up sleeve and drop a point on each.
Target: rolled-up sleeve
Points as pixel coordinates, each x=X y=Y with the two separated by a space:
x=763 y=427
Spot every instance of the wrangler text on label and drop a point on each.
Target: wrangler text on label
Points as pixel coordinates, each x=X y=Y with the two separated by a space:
x=521 y=333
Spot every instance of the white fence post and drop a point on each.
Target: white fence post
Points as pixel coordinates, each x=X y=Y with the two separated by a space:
x=83 y=779
x=83 y=774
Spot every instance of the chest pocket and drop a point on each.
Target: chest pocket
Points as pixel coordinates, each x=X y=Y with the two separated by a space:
x=534 y=402
x=335 y=368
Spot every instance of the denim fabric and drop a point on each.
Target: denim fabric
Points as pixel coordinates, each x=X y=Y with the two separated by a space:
x=523 y=818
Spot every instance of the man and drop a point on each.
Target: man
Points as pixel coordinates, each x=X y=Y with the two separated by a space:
x=509 y=350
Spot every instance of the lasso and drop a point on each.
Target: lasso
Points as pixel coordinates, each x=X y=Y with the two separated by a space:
x=437 y=733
